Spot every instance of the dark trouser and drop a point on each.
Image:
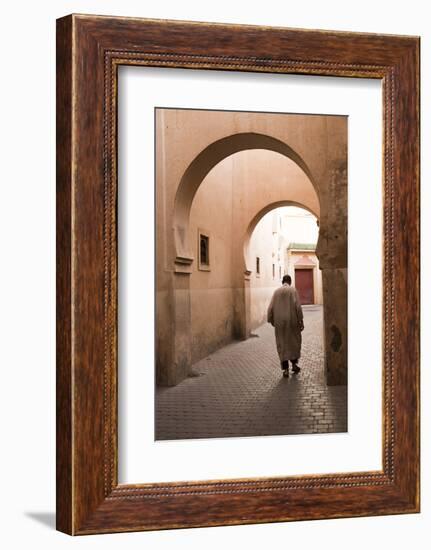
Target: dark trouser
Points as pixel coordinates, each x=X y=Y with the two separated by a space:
x=285 y=364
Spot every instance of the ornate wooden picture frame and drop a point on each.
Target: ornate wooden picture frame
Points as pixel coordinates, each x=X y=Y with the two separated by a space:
x=89 y=51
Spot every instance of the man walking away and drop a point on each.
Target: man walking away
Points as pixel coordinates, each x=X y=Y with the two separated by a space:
x=285 y=314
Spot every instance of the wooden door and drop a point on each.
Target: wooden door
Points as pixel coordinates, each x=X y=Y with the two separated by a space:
x=304 y=285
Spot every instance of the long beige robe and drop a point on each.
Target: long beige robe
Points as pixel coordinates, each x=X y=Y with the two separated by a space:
x=285 y=314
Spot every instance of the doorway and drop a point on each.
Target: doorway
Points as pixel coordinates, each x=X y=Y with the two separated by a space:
x=304 y=285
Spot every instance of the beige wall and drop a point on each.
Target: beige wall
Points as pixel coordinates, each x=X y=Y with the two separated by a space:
x=299 y=226
x=212 y=311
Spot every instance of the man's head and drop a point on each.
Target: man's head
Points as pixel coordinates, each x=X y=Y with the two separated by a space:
x=287 y=279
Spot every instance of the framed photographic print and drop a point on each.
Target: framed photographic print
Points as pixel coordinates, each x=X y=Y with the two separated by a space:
x=237 y=274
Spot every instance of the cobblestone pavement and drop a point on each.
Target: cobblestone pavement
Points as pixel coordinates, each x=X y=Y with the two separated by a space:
x=241 y=392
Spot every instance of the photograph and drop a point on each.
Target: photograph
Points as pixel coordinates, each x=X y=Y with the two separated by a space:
x=251 y=273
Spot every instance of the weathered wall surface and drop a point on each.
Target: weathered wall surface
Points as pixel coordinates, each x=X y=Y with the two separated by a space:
x=212 y=312
x=335 y=319
x=280 y=159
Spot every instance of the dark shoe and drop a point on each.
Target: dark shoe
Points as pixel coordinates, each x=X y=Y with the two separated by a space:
x=295 y=368
x=285 y=368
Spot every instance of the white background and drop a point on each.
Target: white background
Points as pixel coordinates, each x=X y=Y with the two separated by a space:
x=27 y=125
x=141 y=458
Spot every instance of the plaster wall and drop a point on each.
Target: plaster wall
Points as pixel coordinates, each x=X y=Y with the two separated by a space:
x=212 y=311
